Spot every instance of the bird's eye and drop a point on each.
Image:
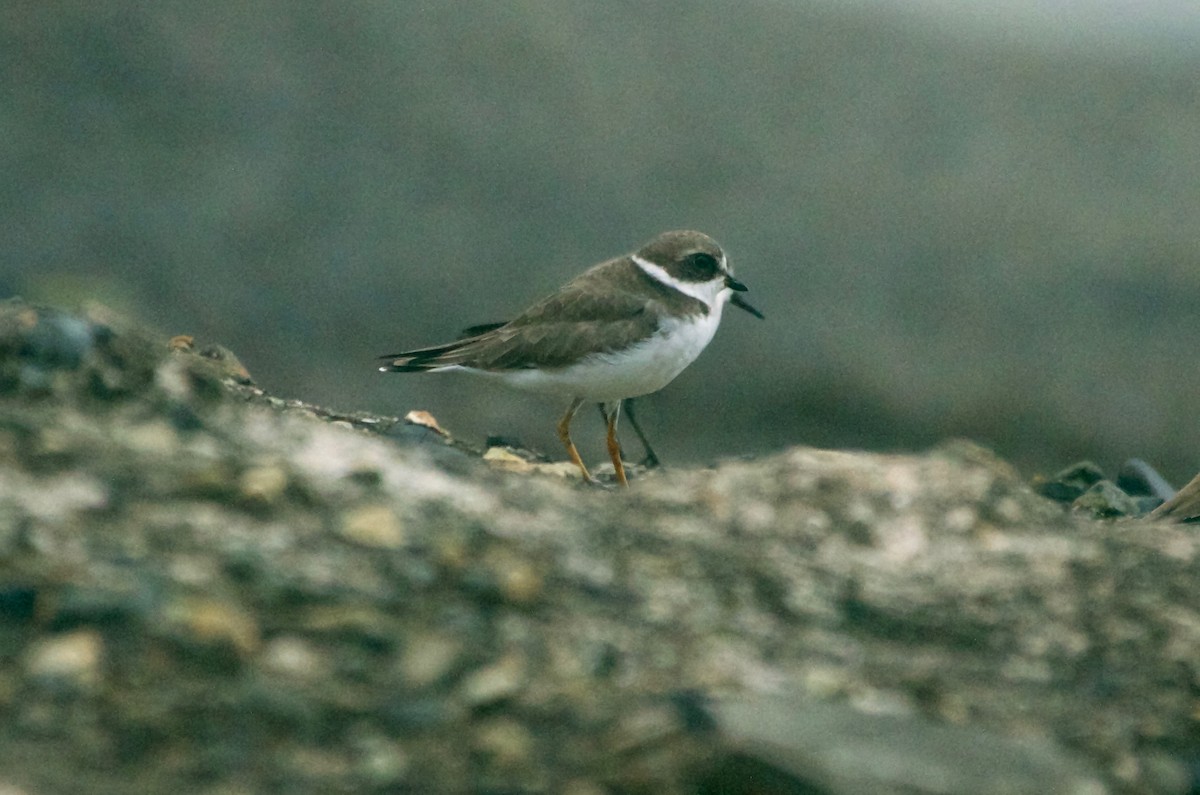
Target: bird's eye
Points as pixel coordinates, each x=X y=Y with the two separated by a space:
x=702 y=266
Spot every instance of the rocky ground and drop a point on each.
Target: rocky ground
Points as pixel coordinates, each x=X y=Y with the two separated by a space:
x=205 y=589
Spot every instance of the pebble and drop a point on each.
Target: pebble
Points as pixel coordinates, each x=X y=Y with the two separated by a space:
x=499 y=681
x=71 y=659
x=381 y=760
x=646 y=727
x=293 y=657
x=363 y=624
x=1070 y=483
x=263 y=485
x=1081 y=473
x=375 y=526
x=1105 y=500
x=566 y=469
x=507 y=575
x=521 y=583
x=47 y=449
x=430 y=658
x=507 y=742
x=503 y=458
x=425 y=420
x=211 y=623
x=156 y=437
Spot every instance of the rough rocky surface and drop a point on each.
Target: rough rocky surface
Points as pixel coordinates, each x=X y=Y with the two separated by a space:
x=204 y=589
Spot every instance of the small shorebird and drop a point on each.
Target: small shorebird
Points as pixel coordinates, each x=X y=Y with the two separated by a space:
x=623 y=328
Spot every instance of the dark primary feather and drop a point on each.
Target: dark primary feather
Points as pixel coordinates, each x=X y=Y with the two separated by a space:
x=482 y=328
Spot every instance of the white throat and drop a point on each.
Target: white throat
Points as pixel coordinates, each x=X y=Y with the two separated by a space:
x=712 y=294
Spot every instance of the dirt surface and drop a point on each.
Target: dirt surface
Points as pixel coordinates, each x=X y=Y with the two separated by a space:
x=207 y=589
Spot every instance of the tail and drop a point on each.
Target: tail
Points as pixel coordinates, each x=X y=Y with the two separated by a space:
x=422 y=360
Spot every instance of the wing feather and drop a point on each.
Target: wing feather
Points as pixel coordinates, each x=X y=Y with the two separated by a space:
x=604 y=309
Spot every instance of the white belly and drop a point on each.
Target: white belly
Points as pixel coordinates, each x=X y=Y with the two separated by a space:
x=647 y=367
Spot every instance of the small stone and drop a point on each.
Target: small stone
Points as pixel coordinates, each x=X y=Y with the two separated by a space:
x=646 y=727
x=293 y=657
x=1081 y=473
x=1069 y=484
x=425 y=420
x=826 y=681
x=561 y=469
x=71 y=659
x=263 y=485
x=1007 y=510
x=503 y=458
x=1105 y=500
x=362 y=623
x=156 y=437
x=501 y=680
x=521 y=583
x=381 y=760
x=1059 y=492
x=53 y=445
x=208 y=479
x=194 y=570
x=430 y=658
x=505 y=741
x=209 y=623
x=506 y=575
x=375 y=526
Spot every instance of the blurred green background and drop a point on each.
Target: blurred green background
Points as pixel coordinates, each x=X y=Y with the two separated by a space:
x=957 y=225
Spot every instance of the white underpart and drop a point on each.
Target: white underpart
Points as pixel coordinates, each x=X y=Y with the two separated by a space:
x=643 y=368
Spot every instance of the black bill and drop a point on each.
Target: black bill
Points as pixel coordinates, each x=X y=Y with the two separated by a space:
x=741 y=303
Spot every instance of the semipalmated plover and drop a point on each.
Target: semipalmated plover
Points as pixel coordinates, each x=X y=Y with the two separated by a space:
x=623 y=328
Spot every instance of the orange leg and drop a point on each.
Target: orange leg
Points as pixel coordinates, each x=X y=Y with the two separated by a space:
x=564 y=433
x=614 y=447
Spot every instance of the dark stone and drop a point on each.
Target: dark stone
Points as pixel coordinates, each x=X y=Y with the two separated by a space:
x=1105 y=500
x=1083 y=474
x=1061 y=492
